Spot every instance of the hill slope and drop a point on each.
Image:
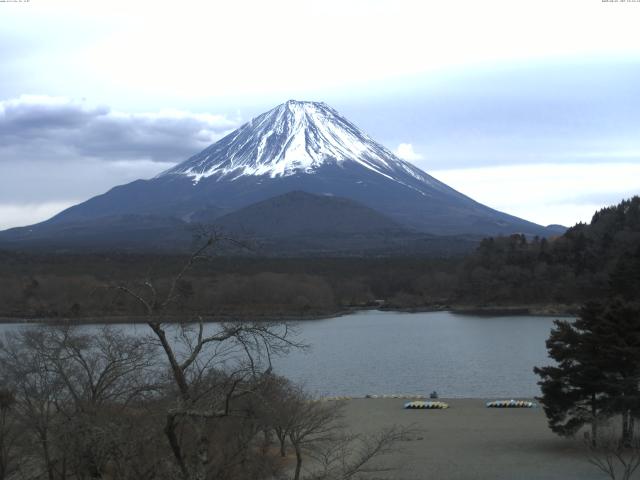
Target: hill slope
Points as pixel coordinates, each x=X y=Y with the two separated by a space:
x=301 y=213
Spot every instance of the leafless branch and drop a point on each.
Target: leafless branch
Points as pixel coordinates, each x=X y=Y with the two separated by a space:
x=611 y=456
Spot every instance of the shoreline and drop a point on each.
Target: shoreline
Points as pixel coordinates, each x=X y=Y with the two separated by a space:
x=425 y=397
x=562 y=311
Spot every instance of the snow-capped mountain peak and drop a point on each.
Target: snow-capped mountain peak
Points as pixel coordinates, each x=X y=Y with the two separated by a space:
x=304 y=147
x=294 y=137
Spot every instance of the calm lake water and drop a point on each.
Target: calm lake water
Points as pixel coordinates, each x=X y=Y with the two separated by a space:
x=378 y=353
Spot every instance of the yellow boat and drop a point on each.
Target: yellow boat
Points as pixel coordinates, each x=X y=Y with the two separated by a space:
x=510 y=404
x=419 y=404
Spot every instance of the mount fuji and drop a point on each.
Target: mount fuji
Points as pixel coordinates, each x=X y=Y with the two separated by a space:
x=295 y=147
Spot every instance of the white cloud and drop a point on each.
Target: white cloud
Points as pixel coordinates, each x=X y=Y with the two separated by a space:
x=547 y=193
x=406 y=152
x=204 y=49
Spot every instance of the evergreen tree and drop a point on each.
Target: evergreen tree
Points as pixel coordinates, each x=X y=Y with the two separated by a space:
x=625 y=277
x=573 y=390
x=619 y=331
x=597 y=375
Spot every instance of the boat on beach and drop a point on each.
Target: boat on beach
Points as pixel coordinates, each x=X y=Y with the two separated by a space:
x=510 y=404
x=419 y=404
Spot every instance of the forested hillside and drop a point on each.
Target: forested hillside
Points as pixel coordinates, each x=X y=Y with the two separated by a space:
x=584 y=263
x=558 y=274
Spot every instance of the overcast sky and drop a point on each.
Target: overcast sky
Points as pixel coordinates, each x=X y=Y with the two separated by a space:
x=531 y=107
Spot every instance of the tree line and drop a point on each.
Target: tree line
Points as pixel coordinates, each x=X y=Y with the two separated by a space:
x=506 y=271
x=572 y=268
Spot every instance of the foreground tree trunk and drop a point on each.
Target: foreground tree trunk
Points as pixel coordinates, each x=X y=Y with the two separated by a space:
x=298 y=450
x=188 y=367
x=594 y=422
x=627 y=428
x=282 y=439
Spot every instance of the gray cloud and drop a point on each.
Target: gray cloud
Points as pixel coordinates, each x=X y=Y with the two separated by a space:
x=55 y=152
x=59 y=129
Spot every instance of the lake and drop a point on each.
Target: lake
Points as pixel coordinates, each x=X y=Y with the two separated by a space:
x=382 y=353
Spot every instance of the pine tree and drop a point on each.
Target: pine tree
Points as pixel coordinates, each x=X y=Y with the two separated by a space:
x=624 y=280
x=597 y=375
x=573 y=390
x=619 y=331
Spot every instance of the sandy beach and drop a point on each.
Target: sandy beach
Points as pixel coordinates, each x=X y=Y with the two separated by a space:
x=469 y=441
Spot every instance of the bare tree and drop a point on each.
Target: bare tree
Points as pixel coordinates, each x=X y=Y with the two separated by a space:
x=616 y=457
x=73 y=393
x=9 y=435
x=97 y=368
x=189 y=400
x=316 y=432
x=311 y=423
x=104 y=375
x=38 y=392
x=191 y=350
x=353 y=456
x=279 y=398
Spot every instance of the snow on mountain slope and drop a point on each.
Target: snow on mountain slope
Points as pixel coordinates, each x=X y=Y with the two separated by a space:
x=296 y=137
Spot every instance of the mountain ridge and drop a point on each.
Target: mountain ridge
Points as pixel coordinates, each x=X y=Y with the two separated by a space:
x=296 y=146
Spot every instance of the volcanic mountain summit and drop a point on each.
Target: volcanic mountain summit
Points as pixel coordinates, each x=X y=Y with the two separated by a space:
x=295 y=147
x=295 y=137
